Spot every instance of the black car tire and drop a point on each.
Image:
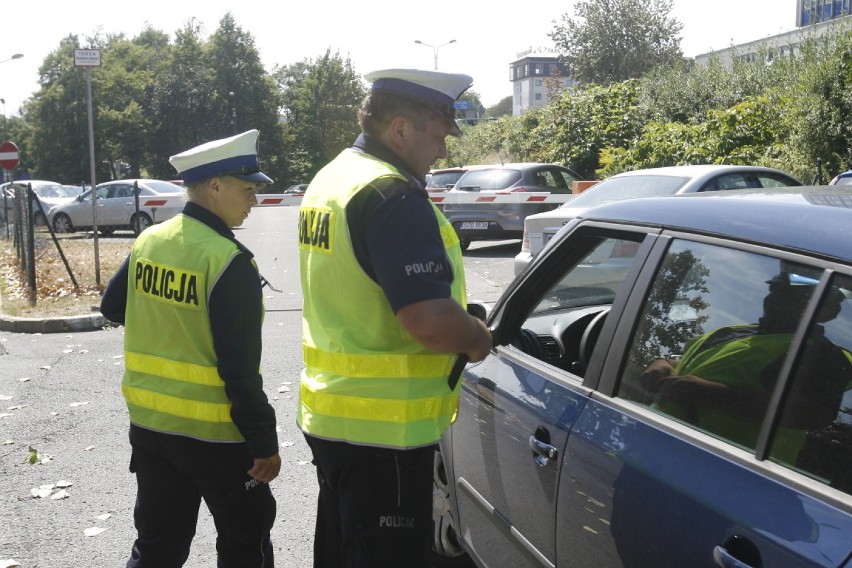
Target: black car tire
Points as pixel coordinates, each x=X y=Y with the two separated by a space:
x=446 y=550
x=144 y=223
x=464 y=243
x=62 y=224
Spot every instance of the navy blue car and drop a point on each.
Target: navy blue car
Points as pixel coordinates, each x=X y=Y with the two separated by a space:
x=670 y=386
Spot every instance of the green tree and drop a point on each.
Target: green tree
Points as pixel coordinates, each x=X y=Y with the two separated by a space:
x=246 y=96
x=182 y=101
x=614 y=40
x=321 y=101
x=57 y=141
x=502 y=108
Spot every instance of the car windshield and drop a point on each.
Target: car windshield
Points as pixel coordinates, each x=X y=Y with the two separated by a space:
x=57 y=190
x=618 y=188
x=489 y=179
x=164 y=187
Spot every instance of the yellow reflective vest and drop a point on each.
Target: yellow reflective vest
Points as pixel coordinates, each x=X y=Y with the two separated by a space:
x=171 y=383
x=366 y=380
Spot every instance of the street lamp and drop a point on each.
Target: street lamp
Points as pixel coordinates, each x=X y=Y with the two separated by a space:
x=435 y=48
x=15 y=56
x=233 y=112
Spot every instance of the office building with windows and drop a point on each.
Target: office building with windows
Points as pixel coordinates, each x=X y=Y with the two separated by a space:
x=536 y=75
x=814 y=19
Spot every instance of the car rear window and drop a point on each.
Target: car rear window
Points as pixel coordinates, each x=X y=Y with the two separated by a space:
x=165 y=187
x=444 y=180
x=616 y=189
x=488 y=179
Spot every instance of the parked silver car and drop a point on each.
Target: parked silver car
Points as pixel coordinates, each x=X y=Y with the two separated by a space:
x=116 y=207
x=650 y=182
x=48 y=193
x=496 y=221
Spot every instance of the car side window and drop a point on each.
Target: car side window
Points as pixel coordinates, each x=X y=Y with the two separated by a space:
x=712 y=338
x=553 y=180
x=729 y=181
x=818 y=407
x=772 y=180
x=562 y=327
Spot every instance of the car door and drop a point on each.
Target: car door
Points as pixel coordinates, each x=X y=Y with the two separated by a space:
x=519 y=404
x=663 y=470
x=81 y=212
x=117 y=207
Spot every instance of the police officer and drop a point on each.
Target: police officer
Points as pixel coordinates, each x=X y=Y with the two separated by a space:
x=384 y=315
x=201 y=427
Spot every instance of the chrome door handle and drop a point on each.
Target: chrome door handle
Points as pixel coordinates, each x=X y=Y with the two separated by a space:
x=542 y=451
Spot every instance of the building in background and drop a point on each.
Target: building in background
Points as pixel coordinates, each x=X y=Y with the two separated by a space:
x=535 y=76
x=814 y=19
x=815 y=11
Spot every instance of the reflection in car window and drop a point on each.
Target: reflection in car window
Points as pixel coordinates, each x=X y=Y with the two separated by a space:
x=819 y=399
x=711 y=343
x=712 y=336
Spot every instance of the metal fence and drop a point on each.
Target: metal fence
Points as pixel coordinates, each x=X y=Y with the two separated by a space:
x=56 y=258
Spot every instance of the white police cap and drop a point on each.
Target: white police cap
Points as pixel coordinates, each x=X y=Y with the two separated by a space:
x=433 y=89
x=235 y=156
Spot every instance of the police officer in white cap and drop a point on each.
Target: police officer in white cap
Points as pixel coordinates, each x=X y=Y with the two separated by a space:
x=189 y=296
x=384 y=317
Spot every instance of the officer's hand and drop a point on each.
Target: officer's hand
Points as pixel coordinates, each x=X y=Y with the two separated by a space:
x=652 y=376
x=265 y=469
x=482 y=342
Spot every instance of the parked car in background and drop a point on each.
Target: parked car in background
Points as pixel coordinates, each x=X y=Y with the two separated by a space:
x=650 y=182
x=843 y=178
x=693 y=408
x=497 y=221
x=296 y=190
x=116 y=206
x=48 y=193
x=443 y=179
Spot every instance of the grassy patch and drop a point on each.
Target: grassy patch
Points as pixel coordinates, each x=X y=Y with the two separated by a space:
x=55 y=292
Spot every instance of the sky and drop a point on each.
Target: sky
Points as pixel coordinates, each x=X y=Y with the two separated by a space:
x=373 y=34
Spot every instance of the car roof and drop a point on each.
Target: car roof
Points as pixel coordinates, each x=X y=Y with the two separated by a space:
x=695 y=169
x=804 y=218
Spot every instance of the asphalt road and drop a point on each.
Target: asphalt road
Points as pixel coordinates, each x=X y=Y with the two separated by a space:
x=59 y=395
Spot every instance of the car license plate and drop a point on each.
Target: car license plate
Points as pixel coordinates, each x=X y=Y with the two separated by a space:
x=474 y=225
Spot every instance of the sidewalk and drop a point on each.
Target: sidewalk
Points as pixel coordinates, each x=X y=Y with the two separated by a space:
x=86 y=322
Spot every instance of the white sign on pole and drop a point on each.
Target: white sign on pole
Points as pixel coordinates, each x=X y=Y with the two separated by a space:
x=87 y=57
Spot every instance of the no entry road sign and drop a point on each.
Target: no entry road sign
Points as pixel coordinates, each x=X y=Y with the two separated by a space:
x=8 y=155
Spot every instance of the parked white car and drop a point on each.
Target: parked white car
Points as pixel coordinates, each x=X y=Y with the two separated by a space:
x=116 y=207
x=650 y=182
x=48 y=193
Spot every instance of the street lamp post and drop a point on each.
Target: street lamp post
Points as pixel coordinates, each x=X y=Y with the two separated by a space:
x=15 y=56
x=435 y=48
x=233 y=112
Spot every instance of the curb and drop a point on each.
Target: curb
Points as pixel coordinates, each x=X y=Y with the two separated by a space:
x=52 y=325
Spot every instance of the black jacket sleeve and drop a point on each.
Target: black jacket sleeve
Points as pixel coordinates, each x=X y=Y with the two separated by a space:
x=236 y=317
x=114 y=300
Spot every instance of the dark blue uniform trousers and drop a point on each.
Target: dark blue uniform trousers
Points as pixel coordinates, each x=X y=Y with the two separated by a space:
x=375 y=506
x=173 y=474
